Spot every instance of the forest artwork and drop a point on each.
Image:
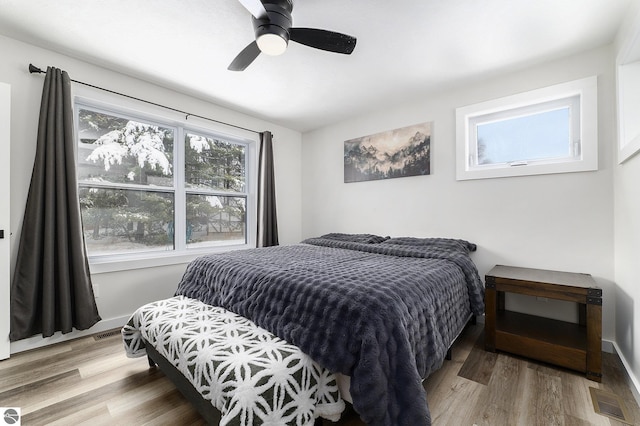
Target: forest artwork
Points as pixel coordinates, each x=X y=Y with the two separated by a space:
x=395 y=153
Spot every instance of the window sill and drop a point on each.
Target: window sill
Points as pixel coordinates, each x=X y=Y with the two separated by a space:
x=530 y=169
x=130 y=261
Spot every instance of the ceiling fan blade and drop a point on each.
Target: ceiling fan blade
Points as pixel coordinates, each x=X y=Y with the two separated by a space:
x=255 y=7
x=323 y=40
x=244 y=58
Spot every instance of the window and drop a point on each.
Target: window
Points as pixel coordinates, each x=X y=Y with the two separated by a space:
x=152 y=188
x=550 y=130
x=216 y=198
x=628 y=108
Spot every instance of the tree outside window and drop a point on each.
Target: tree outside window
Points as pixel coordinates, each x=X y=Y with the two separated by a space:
x=128 y=186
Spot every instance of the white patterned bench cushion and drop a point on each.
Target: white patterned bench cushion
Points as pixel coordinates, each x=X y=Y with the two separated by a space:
x=248 y=374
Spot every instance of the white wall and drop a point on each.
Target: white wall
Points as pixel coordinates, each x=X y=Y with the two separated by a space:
x=122 y=292
x=627 y=265
x=560 y=222
x=627 y=232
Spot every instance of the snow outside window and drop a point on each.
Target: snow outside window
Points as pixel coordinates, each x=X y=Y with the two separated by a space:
x=154 y=189
x=550 y=130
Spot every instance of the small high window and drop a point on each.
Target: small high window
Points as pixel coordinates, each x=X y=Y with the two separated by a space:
x=550 y=130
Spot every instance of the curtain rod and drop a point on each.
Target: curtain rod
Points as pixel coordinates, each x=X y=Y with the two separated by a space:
x=35 y=70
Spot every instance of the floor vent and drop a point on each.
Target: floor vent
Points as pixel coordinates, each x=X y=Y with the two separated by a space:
x=609 y=404
x=110 y=333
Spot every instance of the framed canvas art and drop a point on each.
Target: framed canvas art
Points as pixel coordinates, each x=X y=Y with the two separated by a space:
x=391 y=154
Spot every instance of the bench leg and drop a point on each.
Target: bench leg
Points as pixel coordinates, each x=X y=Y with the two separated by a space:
x=151 y=362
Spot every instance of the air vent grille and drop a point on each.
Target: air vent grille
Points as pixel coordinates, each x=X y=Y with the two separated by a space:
x=609 y=404
x=109 y=333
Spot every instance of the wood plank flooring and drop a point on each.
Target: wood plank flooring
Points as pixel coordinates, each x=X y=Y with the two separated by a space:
x=91 y=381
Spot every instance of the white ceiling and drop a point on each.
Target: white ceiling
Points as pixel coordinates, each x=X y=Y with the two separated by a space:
x=405 y=49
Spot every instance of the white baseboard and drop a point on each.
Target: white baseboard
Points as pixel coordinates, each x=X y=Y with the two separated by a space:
x=608 y=347
x=39 y=341
x=635 y=389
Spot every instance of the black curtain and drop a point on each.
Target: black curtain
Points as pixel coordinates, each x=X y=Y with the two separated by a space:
x=51 y=288
x=267 y=218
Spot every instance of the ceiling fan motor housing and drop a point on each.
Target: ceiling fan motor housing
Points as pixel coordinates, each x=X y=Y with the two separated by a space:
x=278 y=20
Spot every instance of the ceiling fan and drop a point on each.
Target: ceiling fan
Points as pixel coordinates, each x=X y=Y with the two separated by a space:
x=272 y=24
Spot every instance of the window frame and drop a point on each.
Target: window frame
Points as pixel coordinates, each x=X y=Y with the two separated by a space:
x=181 y=125
x=583 y=158
x=628 y=84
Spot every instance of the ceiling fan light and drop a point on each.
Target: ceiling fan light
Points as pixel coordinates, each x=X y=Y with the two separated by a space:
x=271 y=44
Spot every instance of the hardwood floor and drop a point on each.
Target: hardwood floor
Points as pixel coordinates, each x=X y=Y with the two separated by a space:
x=91 y=381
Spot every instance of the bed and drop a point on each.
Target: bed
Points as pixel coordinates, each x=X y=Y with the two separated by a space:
x=382 y=311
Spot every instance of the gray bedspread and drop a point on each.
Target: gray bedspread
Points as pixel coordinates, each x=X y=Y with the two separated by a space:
x=383 y=311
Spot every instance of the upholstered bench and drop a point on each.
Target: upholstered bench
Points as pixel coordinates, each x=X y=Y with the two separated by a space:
x=233 y=371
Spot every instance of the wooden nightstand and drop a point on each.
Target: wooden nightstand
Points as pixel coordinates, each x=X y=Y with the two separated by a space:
x=574 y=346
